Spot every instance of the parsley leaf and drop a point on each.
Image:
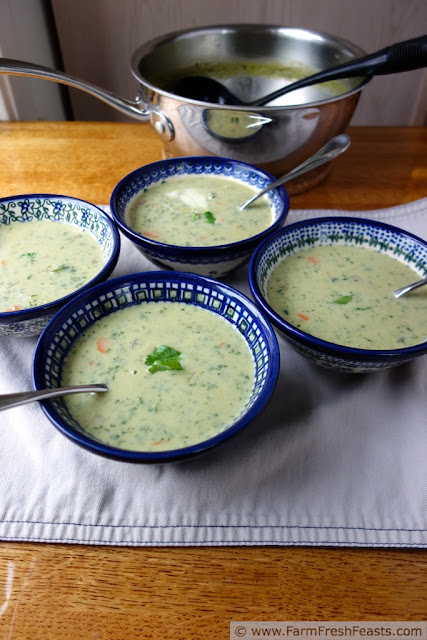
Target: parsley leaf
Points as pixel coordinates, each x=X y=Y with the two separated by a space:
x=343 y=300
x=209 y=217
x=163 y=358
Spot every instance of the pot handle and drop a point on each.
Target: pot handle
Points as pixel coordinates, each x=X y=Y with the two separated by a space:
x=136 y=109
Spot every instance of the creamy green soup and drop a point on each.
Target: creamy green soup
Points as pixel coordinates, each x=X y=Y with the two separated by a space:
x=343 y=294
x=42 y=260
x=198 y=211
x=207 y=380
x=267 y=76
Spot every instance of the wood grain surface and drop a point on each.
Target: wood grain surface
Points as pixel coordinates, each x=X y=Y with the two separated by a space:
x=384 y=166
x=51 y=592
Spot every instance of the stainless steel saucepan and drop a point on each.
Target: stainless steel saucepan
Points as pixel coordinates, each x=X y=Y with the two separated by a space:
x=252 y=60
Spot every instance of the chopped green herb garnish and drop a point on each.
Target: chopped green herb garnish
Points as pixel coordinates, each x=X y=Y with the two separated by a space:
x=31 y=256
x=61 y=267
x=343 y=300
x=168 y=365
x=163 y=358
x=209 y=217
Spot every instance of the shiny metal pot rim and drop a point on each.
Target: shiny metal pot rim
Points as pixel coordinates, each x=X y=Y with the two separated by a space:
x=149 y=49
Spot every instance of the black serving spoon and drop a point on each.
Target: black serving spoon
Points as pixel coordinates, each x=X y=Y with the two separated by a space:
x=402 y=56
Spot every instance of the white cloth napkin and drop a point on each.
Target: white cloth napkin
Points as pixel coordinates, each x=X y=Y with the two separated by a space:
x=335 y=459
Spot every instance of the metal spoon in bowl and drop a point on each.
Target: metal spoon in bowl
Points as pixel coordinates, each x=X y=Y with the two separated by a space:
x=330 y=150
x=410 y=287
x=9 y=400
x=402 y=56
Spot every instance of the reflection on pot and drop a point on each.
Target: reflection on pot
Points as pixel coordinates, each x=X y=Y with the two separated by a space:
x=231 y=133
x=233 y=126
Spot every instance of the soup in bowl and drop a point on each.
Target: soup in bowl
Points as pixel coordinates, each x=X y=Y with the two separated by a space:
x=327 y=285
x=184 y=212
x=51 y=248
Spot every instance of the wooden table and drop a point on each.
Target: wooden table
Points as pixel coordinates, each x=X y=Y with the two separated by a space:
x=65 y=591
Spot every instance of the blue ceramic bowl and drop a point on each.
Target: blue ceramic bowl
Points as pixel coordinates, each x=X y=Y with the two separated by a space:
x=142 y=289
x=332 y=231
x=215 y=261
x=64 y=210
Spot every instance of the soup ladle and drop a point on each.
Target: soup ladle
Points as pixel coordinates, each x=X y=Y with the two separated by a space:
x=402 y=56
x=410 y=287
x=9 y=400
x=330 y=150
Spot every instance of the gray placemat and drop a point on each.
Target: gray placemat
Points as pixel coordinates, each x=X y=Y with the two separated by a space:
x=335 y=459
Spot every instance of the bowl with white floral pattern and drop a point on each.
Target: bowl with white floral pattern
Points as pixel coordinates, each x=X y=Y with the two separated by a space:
x=342 y=300
x=52 y=247
x=213 y=260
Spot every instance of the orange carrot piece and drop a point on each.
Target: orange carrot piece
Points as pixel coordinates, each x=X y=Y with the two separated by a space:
x=2 y=263
x=14 y=308
x=151 y=234
x=313 y=260
x=303 y=316
x=154 y=444
x=102 y=345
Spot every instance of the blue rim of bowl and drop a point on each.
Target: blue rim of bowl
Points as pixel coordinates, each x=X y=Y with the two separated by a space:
x=125 y=455
x=340 y=351
x=208 y=250
x=10 y=317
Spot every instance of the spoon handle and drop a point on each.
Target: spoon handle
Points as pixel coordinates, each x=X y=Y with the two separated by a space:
x=9 y=400
x=330 y=150
x=402 y=56
x=410 y=287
